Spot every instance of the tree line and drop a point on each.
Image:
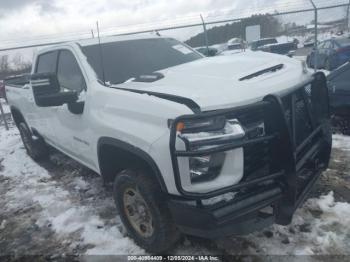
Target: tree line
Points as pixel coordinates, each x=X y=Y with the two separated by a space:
x=270 y=27
x=14 y=66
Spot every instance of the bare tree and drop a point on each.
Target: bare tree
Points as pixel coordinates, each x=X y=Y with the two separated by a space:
x=17 y=61
x=4 y=63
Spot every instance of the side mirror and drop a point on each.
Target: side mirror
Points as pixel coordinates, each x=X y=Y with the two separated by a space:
x=47 y=91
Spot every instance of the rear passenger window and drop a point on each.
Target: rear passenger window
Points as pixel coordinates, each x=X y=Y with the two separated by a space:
x=47 y=63
x=68 y=72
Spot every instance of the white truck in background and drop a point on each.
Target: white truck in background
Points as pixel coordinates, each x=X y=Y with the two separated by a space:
x=192 y=145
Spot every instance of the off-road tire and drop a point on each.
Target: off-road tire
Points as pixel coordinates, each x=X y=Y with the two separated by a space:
x=36 y=148
x=165 y=234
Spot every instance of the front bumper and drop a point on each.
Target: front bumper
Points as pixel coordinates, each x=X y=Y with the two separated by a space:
x=243 y=215
x=298 y=141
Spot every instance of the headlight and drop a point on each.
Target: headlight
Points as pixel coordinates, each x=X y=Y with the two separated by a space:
x=208 y=133
x=206 y=168
x=212 y=132
x=201 y=125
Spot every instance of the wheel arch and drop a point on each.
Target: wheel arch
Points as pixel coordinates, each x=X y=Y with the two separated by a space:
x=18 y=118
x=110 y=149
x=17 y=115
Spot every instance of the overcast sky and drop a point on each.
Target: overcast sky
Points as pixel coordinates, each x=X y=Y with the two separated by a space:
x=22 y=20
x=29 y=18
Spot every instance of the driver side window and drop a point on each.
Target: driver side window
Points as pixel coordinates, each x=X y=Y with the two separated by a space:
x=68 y=72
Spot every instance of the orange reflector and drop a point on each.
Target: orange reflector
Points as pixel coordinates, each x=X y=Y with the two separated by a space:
x=180 y=126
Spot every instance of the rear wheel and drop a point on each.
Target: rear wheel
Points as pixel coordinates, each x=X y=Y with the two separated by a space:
x=144 y=212
x=35 y=147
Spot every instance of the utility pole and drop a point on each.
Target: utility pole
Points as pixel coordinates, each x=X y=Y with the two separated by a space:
x=347 y=17
x=316 y=35
x=205 y=35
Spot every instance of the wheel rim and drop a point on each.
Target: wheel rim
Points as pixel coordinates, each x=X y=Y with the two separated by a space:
x=138 y=213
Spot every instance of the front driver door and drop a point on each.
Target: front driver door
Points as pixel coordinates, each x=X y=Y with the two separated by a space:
x=73 y=127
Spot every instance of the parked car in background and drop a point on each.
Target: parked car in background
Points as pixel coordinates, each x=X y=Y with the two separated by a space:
x=236 y=44
x=271 y=45
x=339 y=94
x=210 y=51
x=309 y=42
x=332 y=53
x=255 y=45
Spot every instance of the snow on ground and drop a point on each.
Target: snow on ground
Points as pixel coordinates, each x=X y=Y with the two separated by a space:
x=34 y=184
x=59 y=207
x=321 y=226
x=341 y=142
x=5 y=106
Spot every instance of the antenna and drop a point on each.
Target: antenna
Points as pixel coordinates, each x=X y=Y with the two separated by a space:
x=101 y=54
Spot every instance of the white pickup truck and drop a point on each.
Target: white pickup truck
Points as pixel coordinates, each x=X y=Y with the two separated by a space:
x=192 y=145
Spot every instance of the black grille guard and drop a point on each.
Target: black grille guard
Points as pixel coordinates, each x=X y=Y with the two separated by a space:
x=288 y=158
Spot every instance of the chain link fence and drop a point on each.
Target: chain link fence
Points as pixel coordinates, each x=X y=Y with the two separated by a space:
x=303 y=23
x=300 y=22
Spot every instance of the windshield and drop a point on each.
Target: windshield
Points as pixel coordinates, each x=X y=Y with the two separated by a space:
x=124 y=60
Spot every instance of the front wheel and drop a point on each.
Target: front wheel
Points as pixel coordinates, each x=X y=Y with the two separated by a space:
x=144 y=212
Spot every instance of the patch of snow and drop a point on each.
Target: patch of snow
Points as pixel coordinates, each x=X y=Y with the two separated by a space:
x=34 y=184
x=5 y=106
x=320 y=226
x=327 y=232
x=80 y=184
x=3 y=224
x=341 y=142
x=225 y=197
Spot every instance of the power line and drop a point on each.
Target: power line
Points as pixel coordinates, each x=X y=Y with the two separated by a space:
x=172 y=26
x=283 y=7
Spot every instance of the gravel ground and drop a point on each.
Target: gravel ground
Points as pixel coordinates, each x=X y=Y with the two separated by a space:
x=59 y=210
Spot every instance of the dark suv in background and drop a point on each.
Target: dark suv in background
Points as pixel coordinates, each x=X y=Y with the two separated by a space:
x=332 y=53
x=339 y=93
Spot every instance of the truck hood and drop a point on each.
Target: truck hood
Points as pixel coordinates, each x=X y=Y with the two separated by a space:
x=214 y=83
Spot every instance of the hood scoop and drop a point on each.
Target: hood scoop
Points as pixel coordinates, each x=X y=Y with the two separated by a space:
x=262 y=72
x=149 y=78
